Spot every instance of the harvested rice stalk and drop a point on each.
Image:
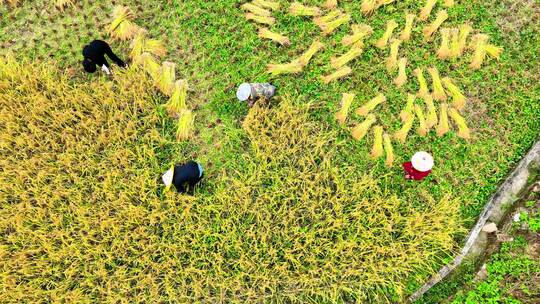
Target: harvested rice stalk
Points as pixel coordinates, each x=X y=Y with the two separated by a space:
x=454 y=43
x=402 y=134
x=377 y=150
x=464 y=31
x=493 y=51
x=368 y=6
x=141 y=44
x=121 y=27
x=276 y=37
x=458 y=99
x=312 y=50
x=408 y=109
x=184 y=127
x=298 y=9
x=444 y=49
x=389 y=150
x=327 y=18
x=149 y=64
x=443 y=126
x=285 y=68
x=423 y=91
x=329 y=27
x=267 y=4
x=401 y=79
x=331 y=4
x=432 y=28
x=342 y=60
x=479 y=43
x=177 y=102
x=406 y=33
x=361 y=129
x=448 y=3
x=391 y=25
x=360 y=31
x=249 y=7
x=431 y=119
x=371 y=105
x=346 y=102
x=426 y=10
x=165 y=81
x=463 y=130
x=61 y=4
x=260 y=19
x=392 y=60
x=422 y=128
x=438 y=90
x=342 y=72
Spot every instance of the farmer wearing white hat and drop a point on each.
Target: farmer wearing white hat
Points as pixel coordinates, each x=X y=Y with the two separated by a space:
x=419 y=167
x=183 y=177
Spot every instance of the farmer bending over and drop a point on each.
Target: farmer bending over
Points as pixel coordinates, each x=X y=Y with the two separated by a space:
x=419 y=167
x=94 y=54
x=183 y=177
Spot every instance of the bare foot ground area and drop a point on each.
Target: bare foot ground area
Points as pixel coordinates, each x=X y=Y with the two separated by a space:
x=130 y=171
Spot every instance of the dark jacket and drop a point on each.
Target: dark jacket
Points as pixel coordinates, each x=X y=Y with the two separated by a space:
x=186 y=176
x=95 y=52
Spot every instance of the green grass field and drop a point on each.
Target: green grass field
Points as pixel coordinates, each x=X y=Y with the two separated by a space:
x=225 y=252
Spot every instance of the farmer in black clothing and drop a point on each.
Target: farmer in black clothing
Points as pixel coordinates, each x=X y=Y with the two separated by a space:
x=184 y=177
x=94 y=54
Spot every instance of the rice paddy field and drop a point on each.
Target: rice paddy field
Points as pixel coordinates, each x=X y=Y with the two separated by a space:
x=295 y=207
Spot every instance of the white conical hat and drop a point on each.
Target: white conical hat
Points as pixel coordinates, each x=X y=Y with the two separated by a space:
x=422 y=161
x=243 y=92
x=168 y=178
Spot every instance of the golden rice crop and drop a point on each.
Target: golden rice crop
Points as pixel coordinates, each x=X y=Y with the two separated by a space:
x=422 y=127
x=298 y=9
x=149 y=64
x=330 y=26
x=401 y=79
x=260 y=19
x=340 y=73
x=11 y=3
x=438 y=89
x=463 y=130
x=315 y=47
x=121 y=26
x=423 y=88
x=285 y=68
x=177 y=102
x=184 y=125
x=84 y=219
x=62 y=4
x=407 y=30
x=360 y=131
x=494 y=51
x=141 y=44
x=389 y=150
x=431 y=119
x=408 y=109
x=166 y=78
x=444 y=50
x=464 y=31
x=354 y=52
x=377 y=150
x=273 y=5
x=479 y=43
x=276 y=37
x=443 y=126
x=360 y=31
x=257 y=10
x=371 y=105
x=458 y=99
x=343 y=112
x=391 y=25
x=402 y=134
x=331 y=4
x=426 y=10
x=328 y=17
x=368 y=6
x=434 y=26
x=448 y=3
x=454 y=43
x=392 y=60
